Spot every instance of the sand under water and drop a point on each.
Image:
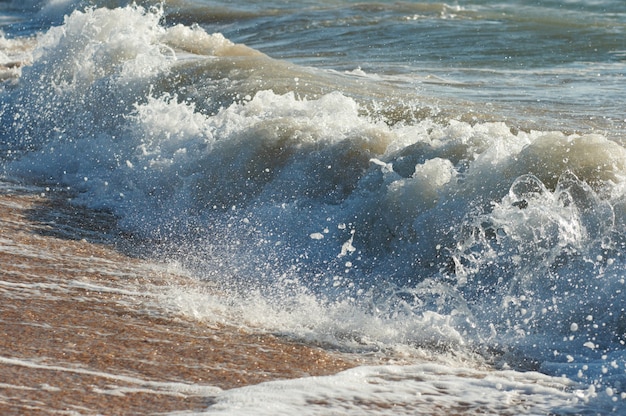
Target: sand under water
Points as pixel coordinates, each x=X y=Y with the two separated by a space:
x=83 y=334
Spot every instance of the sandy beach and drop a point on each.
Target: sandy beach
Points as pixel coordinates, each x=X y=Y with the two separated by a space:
x=81 y=332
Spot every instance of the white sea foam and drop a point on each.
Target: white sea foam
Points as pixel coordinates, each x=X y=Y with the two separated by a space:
x=14 y=54
x=409 y=390
x=155 y=387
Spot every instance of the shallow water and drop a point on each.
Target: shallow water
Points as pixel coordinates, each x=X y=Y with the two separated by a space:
x=403 y=178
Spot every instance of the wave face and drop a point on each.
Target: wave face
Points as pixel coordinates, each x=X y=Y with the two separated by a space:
x=335 y=205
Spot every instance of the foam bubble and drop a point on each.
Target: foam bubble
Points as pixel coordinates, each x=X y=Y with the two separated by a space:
x=419 y=389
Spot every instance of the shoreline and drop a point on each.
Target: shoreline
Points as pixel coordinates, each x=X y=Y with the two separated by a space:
x=82 y=332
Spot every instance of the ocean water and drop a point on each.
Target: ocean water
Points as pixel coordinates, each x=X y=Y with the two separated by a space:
x=436 y=184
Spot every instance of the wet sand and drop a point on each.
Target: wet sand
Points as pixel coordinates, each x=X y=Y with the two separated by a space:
x=81 y=331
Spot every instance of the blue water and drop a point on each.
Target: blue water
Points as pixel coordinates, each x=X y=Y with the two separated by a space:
x=373 y=176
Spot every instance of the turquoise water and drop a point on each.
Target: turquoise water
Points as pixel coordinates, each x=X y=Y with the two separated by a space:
x=553 y=65
x=442 y=179
x=552 y=61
